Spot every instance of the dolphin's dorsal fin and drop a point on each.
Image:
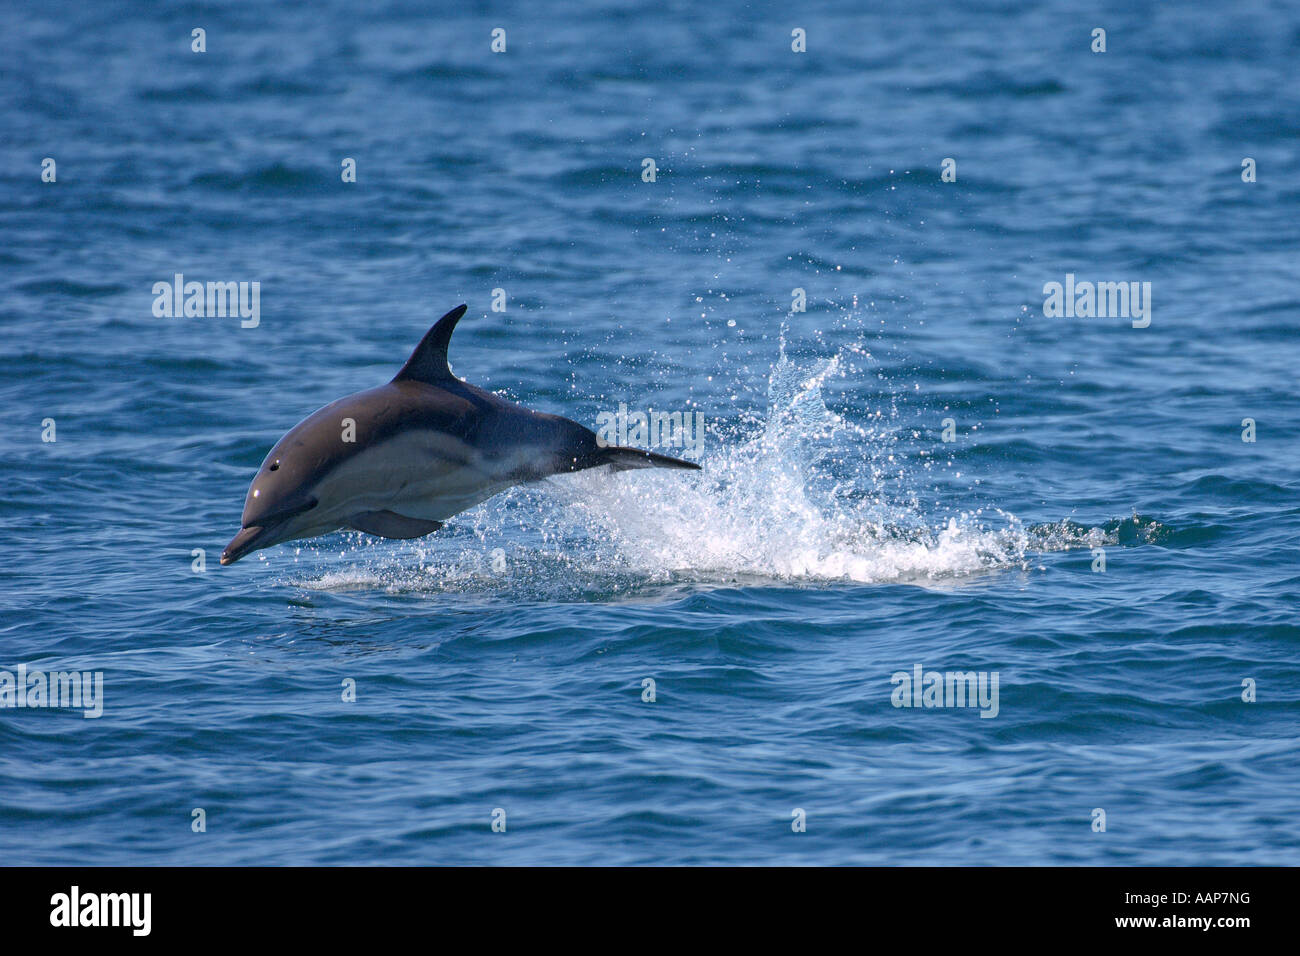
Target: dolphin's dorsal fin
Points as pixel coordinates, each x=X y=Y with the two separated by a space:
x=428 y=363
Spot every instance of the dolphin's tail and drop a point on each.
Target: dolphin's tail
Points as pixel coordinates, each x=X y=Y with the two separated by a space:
x=624 y=458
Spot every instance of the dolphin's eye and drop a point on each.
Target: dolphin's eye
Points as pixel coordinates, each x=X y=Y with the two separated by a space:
x=274 y=467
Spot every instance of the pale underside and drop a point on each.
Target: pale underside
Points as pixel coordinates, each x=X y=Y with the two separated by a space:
x=406 y=486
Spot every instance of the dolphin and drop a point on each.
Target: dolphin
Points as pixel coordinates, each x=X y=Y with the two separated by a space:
x=399 y=460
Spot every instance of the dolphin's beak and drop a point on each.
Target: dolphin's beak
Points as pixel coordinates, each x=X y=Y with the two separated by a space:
x=242 y=543
x=254 y=537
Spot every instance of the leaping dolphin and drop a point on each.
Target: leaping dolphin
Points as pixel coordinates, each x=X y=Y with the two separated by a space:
x=399 y=460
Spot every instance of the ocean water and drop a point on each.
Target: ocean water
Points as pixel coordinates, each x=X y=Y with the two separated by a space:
x=833 y=540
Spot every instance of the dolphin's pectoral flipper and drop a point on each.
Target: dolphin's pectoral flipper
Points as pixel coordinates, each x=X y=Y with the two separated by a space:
x=624 y=458
x=388 y=524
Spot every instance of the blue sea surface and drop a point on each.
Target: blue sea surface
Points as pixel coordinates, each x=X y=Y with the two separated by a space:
x=661 y=667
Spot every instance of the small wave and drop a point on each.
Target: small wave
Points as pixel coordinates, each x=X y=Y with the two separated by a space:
x=68 y=287
x=274 y=178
